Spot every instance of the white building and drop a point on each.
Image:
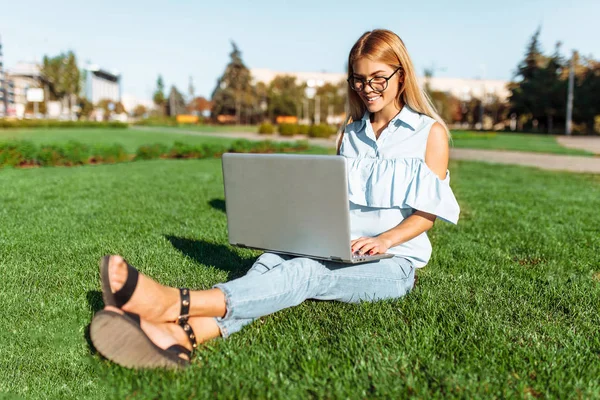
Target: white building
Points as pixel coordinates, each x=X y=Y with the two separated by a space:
x=101 y=84
x=24 y=76
x=464 y=89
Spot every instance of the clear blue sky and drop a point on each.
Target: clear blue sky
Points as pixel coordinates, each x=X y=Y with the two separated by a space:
x=192 y=38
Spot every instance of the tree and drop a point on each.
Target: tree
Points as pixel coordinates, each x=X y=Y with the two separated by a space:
x=191 y=90
x=200 y=104
x=284 y=96
x=62 y=76
x=539 y=91
x=139 y=111
x=85 y=107
x=176 y=103
x=332 y=99
x=159 y=95
x=234 y=94
x=107 y=105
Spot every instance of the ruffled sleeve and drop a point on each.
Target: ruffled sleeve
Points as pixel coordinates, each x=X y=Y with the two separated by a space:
x=402 y=183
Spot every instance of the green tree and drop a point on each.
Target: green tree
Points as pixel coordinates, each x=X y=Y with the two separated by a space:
x=284 y=96
x=586 y=107
x=139 y=111
x=159 y=95
x=539 y=93
x=85 y=107
x=62 y=76
x=234 y=94
x=176 y=102
x=332 y=99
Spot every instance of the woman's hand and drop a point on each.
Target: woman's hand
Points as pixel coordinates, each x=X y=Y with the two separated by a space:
x=370 y=245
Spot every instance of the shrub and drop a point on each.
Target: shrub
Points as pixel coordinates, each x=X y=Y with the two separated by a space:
x=109 y=154
x=151 y=151
x=157 y=121
x=182 y=150
x=241 y=146
x=303 y=129
x=17 y=153
x=266 y=129
x=288 y=129
x=321 y=131
x=48 y=123
x=214 y=150
x=77 y=153
x=50 y=155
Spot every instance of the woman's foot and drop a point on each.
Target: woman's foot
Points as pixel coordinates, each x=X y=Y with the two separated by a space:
x=151 y=300
x=136 y=343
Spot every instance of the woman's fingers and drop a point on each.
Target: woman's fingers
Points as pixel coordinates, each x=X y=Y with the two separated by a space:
x=363 y=245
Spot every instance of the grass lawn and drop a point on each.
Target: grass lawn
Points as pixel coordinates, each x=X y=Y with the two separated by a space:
x=220 y=128
x=507 y=307
x=512 y=141
x=131 y=139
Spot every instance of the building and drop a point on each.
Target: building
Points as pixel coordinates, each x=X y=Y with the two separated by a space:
x=101 y=84
x=464 y=89
x=24 y=76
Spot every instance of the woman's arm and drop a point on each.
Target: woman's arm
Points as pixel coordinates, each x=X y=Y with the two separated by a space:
x=436 y=157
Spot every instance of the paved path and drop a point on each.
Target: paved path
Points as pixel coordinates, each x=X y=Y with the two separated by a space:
x=553 y=162
x=589 y=143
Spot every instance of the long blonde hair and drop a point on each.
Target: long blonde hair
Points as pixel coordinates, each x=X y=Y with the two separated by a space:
x=385 y=46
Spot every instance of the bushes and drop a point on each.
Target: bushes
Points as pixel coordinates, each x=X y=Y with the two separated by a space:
x=321 y=131
x=39 y=123
x=157 y=121
x=288 y=129
x=266 y=129
x=22 y=153
x=150 y=151
x=315 y=131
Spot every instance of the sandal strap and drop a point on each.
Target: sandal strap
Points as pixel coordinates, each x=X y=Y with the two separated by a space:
x=134 y=317
x=179 y=349
x=123 y=295
x=187 y=328
x=184 y=298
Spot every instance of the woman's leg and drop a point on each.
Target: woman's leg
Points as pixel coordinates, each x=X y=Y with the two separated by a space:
x=158 y=303
x=389 y=278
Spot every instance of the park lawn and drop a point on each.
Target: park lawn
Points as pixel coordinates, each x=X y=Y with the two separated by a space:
x=131 y=138
x=220 y=128
x=507 y=307
x=512 y=141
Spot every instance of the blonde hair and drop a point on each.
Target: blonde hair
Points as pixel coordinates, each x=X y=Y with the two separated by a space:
x=385 y=46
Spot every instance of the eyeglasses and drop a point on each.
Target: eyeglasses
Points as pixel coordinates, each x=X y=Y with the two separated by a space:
x=377 y=83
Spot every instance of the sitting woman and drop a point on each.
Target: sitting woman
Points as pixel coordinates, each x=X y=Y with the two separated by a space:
x=397 y=154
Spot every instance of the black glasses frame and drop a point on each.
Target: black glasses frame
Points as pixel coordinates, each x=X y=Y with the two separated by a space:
x=387 y=82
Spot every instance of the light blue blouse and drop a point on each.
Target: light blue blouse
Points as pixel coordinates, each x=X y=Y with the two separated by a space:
x=388 y=180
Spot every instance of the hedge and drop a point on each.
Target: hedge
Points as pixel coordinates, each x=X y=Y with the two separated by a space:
x=48 y=123
x=26 y=154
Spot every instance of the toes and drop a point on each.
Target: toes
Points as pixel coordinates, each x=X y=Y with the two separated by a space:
x=117 y=272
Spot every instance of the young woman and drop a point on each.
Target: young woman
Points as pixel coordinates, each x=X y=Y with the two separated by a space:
x=397 y=153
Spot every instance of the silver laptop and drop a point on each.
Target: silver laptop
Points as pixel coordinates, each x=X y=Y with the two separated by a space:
x=291 y=204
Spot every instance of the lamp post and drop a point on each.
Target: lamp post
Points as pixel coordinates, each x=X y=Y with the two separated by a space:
x=310 y=92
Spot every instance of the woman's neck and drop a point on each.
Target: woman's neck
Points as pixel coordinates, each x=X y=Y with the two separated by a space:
x=383 y=117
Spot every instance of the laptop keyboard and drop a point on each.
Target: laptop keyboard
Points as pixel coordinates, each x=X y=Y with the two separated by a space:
x=359 y=257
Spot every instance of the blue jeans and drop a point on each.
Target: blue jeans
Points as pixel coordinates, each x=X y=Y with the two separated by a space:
x=278 y=281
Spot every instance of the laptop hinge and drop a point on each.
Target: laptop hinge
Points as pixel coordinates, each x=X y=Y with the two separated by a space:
x=336 y=258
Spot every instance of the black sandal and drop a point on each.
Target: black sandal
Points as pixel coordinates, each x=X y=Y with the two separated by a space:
x=121 y=296
x=120 y=338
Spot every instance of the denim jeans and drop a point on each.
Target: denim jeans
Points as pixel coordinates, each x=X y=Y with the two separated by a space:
x=278 y=281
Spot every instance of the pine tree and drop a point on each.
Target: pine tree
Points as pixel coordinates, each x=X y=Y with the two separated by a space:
x=234 y=94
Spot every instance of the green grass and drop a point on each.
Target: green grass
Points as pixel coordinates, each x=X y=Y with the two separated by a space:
x=131 y=138
x=507 y=307
x=512 y=141
x=220 y=128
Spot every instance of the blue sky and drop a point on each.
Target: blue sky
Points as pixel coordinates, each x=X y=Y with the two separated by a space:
x=179 y=39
